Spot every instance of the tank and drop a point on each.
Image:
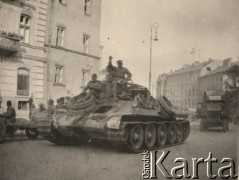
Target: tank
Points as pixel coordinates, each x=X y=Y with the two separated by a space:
x=134 y=121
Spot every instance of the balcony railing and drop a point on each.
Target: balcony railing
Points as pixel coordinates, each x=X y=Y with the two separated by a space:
x=9 y=43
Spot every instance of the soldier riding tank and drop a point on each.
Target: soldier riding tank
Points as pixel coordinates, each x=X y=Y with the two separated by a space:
x=134 y=121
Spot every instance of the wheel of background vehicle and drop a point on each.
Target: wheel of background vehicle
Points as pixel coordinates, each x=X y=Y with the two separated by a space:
x=150 y=136
x=3 y=131
x=202 y=126
x=167 y=105
x=136 y=137
x=32 y=133
x=179 y=133
x=186 y=130
x=225 y=126
x=172 y=133
x=162 y=134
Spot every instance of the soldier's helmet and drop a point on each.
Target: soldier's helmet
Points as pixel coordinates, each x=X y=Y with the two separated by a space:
x=41 y=107
x=50 y=101
x=120 y=61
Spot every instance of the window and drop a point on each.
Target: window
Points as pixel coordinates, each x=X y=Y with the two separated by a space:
x=25 y=22
x=85 y=77
x=60 y=36
x=86 y=43
x=22 y=105
x=23 y=82
x=87 y=7
x=58 y=74
x=62 y=1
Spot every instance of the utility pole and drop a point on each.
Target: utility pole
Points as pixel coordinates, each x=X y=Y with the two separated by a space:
x=153 y=26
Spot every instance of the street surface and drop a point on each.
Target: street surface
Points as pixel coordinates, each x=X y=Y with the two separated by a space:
x=24 y=159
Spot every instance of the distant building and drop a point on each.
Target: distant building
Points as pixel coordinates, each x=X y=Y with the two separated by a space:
x=181 y=86
x=74 y=45
x=223 y=78
x=22 y=52
x=161 y=85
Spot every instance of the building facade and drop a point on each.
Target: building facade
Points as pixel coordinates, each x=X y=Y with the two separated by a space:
x=48 y=48
x=224 y=78
x=22 y=53
x=73 y=44
x=182 y=86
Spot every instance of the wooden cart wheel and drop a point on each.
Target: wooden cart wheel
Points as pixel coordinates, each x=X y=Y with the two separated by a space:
x=32 y=133
x=3 y=130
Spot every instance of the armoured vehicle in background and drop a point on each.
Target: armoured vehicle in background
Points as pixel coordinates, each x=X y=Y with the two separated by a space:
x=216 y=110
x=135 y=122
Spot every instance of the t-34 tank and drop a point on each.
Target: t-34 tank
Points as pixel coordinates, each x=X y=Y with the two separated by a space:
x=135 y=121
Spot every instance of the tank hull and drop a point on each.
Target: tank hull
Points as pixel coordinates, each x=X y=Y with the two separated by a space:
x=134 y=121
x=115 y=122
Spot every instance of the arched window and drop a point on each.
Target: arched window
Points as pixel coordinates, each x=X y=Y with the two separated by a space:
x=23 y=82
x=25 y=24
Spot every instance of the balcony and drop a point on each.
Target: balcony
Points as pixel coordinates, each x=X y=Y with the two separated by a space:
x=9 y=43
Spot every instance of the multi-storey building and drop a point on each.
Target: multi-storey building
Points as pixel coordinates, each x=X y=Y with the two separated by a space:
x=224 y=78
x=181 y=86
x=22 y=52
x=73 y=44
x=161 y=85
x=48 y=48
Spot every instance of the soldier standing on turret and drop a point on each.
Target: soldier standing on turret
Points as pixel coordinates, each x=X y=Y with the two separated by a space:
x=118 y=75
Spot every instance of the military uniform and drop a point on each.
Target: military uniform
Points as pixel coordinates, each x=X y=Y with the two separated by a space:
x=117 y=75
x=95 y=88
x=10 y=115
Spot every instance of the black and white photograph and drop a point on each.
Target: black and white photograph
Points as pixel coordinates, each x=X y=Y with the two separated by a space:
x=119 y=89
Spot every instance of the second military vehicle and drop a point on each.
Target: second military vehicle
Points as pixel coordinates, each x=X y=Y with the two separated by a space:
x=216 y=109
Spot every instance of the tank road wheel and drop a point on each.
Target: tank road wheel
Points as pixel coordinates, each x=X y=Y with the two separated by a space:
x=162 y=134
x=32 y=133
x=202 y=126
x=136 y=137
x=150 y=136
x=179 y=133
x=172 y=133
x=186 y=131
x=3 y=131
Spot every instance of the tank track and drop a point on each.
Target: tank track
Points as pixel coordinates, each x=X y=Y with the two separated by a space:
x=119 y=138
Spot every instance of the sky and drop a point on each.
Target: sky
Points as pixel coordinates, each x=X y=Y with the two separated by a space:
x=209 y=26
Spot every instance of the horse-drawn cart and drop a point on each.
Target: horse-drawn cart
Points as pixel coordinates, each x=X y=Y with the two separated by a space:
x=8 y=128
